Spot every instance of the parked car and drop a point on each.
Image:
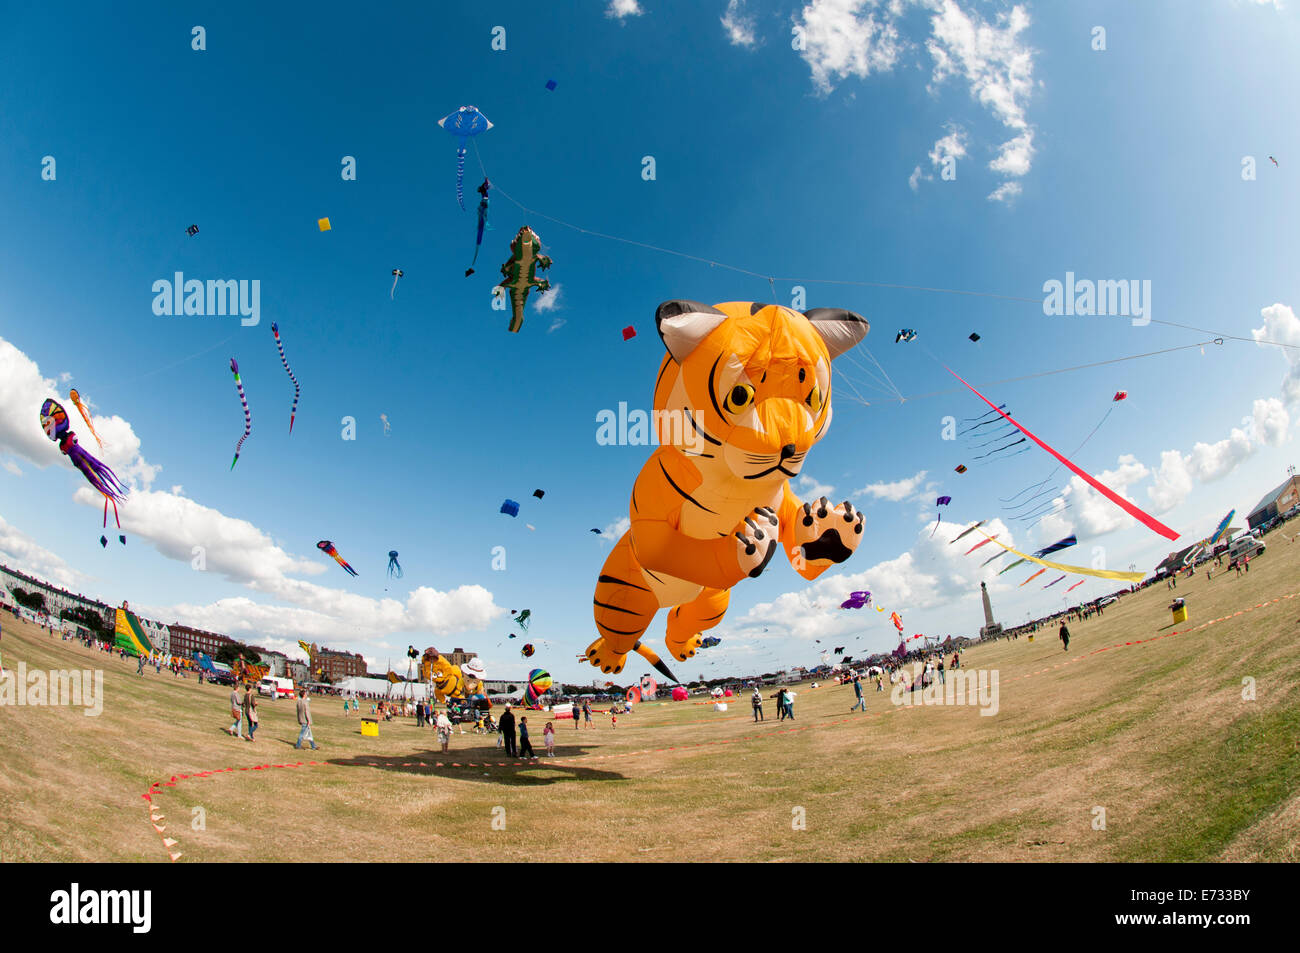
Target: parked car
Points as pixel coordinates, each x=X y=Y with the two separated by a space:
x=1246 y=545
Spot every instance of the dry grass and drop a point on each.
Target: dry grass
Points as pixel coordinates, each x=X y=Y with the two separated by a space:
x=1156 y=733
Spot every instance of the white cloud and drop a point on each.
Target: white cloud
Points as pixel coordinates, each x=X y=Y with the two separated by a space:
x=855 y=38
x=19 y=550
x=844 y=38
x=1179 y=473
x=618 y=9
x=810 y=488
x=738 y=26
x=615 y=530
x=231 y=548
x=22 y=391
x=1270 y=421
x=998 y=69
x=1282 y=327
x=1093 y=513
x=11 y=467
x=241 y=553
x=556 y=324
x=1005 y=192
x=1015 y=156
x=547 y=300
x=951 y=146
x=913 y=180
x=1173 y=481
x=896 y=491
x=933 y=574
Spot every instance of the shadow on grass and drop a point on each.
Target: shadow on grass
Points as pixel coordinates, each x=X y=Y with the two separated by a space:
x=487 y=766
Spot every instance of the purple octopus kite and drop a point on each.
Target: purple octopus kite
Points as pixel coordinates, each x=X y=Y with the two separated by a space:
x=857 y=600
x=54 y=421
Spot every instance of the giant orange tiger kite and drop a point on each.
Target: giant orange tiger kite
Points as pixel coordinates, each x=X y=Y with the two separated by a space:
x=742 y=395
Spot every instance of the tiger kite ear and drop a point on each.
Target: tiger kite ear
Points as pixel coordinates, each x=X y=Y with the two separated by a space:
x=841 y=330
x=683 y=325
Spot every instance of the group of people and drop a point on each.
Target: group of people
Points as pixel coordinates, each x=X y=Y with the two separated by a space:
x=243 y=711
x=522 y=746
x=784 y=704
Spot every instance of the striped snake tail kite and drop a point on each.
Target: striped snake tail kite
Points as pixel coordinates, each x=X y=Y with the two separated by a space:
x=293 y=411
x=248 y=417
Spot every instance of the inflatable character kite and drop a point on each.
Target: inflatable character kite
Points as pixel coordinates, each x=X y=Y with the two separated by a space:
x=54 y=421
x=741 y=397
x=451 y=681
x=519 y=273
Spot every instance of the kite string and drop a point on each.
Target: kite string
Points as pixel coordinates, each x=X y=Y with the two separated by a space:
x=772 y=279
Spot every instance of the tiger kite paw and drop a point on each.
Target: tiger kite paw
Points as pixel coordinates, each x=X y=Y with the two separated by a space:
x=757 y=542
x=825 y=534
x=604 y=658
x=684 y=649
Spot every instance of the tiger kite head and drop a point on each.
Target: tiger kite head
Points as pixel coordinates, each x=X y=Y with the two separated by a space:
x=749 y=384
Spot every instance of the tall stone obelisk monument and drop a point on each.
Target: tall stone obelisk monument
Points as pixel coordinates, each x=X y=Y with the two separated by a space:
x=991 y=629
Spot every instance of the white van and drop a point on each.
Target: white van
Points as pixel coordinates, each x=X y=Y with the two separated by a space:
x=276 y=687
x=1245 y=545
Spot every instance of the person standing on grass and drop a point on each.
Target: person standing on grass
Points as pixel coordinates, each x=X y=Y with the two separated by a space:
x=577 y=716
x=444 y=731
x=586 y=713
x=525 y=745
x=304 y=719
x=1245 y=561
x=857 y=690
x=250 y=712
x=508 y=732
x=139 y=668
x=236 y=712
x=942 y=680
x=548 y=735
x=1065 y=637
x=757 y=701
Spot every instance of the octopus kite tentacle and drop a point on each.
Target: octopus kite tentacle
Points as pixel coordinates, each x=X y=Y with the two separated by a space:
x=85 y=415
x=460 y=177
x=248 y=417
x=288 y=370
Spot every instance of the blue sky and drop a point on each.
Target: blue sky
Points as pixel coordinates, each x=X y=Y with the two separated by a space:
x=798 y=164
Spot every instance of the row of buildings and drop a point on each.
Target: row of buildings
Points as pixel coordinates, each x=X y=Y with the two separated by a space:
x=183 y=640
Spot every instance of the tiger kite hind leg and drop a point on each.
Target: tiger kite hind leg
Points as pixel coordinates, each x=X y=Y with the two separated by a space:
x=817 y=535
x=622 y=606
x=687 y=621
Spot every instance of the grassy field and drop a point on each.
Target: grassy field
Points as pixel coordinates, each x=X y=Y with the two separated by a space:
x=1140 y=718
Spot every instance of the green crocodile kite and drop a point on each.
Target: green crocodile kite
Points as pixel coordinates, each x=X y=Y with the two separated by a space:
x=520 y=272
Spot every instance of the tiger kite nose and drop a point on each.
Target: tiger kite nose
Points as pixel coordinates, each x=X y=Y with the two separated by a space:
x=787 y=451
